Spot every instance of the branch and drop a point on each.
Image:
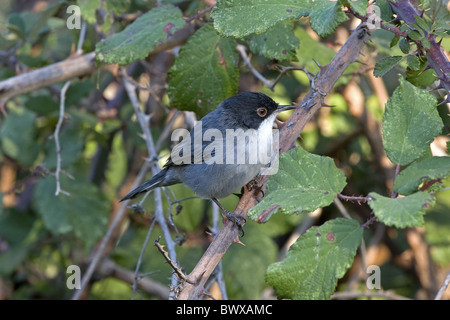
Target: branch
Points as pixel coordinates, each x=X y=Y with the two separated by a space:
x=443 y=287
x=436 y=58
x=72 y=67
x=312 y=102
x=108 y=268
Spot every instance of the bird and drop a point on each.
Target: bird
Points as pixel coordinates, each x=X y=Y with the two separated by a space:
x=202 y=161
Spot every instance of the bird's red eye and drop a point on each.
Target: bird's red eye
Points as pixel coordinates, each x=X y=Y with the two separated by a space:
x=262 y=112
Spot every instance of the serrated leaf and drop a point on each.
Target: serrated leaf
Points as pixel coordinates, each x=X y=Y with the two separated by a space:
x=303 y=183
x=430 y=169
x=278 y=42
x=18 y=136
x=205 y=72
x=426 y=43
x=239 y=19
x=85 y=211
x=385 y=65
x=316 y=261
x=410 y=123
x=324 y=20
x=413 y=62
x=138 y=39
x=422 y=23
x=401 y=212
x=413 y=34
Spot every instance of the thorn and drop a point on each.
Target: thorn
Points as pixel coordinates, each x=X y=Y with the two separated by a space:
x=328 y=105
x=447 y=100
x=239 y=241
x=359 y=61
x=210 y=234
x=321 y=67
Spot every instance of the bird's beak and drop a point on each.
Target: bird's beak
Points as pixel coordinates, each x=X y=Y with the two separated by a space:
x=285 y=108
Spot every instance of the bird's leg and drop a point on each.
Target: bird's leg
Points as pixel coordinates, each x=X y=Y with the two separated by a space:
x=236 y=218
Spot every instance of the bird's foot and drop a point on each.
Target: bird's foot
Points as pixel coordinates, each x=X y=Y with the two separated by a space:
x=237 y=219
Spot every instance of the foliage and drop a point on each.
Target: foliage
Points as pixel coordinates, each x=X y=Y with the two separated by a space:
x=182 y=59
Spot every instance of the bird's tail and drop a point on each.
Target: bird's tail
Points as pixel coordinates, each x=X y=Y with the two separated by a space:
x=153 y=183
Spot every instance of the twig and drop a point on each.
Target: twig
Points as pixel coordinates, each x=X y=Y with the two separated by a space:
x=255 y=72
x=443 y=287
x=268 y=83
x=353 y=198
x=172 y=263
x=108 y=268
x=199 y=14
x=61 y=117
x=56 y=137
x=137 y=276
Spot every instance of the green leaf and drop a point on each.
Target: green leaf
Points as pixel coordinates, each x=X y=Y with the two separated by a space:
x=205 y=72
x=42 y=104
x=394 y=41
x=303 y=183
x=426 y=43
x=385 y=65
x=413 y=34
x=279 y=42
x=360 y=6
x=386 y=10
x=401 y=212
x=18 y=136
x=239 y=19
x=325 y=19
x=410 y=123
x=85 y=211
x=138 y=39
x=404 y=45
x=410 y=179
x=316 y=261
x=422 y=23
x=421 y=78
x=413 y=62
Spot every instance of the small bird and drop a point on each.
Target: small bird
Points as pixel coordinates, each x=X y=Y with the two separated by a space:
x=222 y=152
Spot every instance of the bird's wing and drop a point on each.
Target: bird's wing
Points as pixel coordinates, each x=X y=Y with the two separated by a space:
x=191 y=150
